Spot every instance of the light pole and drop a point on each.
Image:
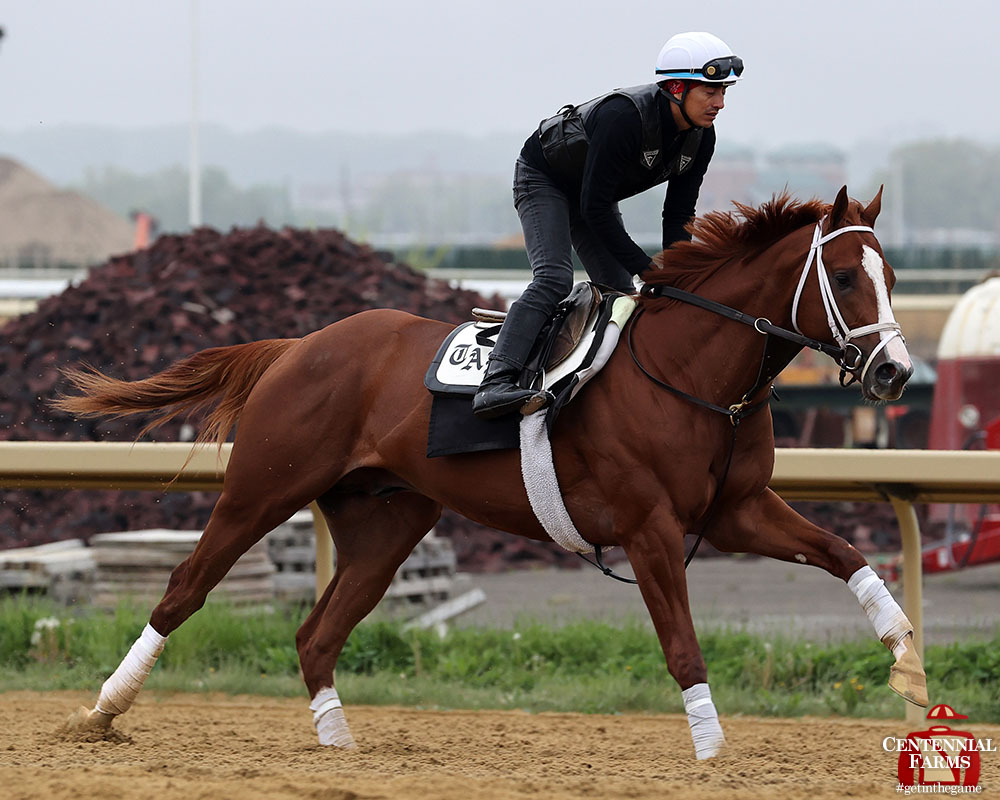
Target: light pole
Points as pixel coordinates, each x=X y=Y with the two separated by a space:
x=898 y=189
x=194 y=165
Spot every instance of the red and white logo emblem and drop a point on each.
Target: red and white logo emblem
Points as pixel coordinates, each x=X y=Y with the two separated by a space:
x=940 y=756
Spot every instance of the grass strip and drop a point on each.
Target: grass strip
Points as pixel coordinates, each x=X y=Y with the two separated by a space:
x=584 y=666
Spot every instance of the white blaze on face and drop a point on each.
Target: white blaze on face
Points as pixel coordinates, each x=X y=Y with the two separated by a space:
x=875 y=269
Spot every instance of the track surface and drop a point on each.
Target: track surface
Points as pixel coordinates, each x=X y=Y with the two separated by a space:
x=195 y=747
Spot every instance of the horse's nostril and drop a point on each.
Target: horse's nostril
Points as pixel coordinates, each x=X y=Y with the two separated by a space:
x=886 y=372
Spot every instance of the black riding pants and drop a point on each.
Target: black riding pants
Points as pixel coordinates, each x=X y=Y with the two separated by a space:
x=552 y=228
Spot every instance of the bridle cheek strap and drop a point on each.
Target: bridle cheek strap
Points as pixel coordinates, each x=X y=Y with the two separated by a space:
x=842 y=332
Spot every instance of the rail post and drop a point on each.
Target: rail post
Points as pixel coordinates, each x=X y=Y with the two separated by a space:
x=324 y=550
x=913 y=582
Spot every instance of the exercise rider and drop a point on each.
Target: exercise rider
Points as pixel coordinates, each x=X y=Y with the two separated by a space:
x=574 y=169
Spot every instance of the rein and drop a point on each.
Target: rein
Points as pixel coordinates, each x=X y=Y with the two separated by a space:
x=771 y=363
x=769 y=367
x=737 y=412
x=760 y=324
x=773 y=360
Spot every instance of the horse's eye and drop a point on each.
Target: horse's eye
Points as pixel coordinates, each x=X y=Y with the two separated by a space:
x=842 y=279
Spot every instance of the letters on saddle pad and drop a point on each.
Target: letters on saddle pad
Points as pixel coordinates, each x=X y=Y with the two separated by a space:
x=460 y=362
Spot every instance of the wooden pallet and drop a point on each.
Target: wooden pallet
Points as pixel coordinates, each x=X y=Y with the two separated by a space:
x=138 y=564
x=64 y=570
x=425 y=578
x=292 y=549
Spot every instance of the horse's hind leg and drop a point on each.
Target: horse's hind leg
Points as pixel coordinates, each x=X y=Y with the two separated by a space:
x=373 y=536
x=255 y=499
x=235 y=525
x=765 y=525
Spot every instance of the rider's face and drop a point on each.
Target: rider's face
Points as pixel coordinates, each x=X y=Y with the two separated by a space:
x=703 y=103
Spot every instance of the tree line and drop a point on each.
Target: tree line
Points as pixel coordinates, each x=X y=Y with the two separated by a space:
x=946 y=184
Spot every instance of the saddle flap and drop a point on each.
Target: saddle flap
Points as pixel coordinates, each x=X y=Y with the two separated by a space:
x=578 y=311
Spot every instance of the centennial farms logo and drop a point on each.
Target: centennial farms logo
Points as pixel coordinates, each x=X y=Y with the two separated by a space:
x=940 y=759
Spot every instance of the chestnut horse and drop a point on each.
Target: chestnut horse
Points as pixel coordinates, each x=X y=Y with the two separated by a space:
x=341 y=416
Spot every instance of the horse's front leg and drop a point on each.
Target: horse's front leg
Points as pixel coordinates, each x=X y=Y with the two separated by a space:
x=765 y=525
x=657 y=557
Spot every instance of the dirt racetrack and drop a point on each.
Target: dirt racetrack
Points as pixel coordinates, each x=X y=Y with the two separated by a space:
x=196 y=747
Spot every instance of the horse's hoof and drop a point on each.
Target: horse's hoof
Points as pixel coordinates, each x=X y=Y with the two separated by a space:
x=711 y=750
x=87 y=721
x=85 y=725
x=333 y=731
x=907 y=678
x=342 y=741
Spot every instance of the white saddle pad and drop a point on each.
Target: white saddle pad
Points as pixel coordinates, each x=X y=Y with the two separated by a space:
x=460 y=365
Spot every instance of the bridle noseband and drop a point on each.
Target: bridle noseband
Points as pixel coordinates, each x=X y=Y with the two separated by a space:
x=842 y=332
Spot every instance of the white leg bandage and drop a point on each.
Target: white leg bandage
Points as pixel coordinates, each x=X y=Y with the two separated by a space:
x=888 y=619
x=329 y=719
x=120 y=690
x=703 y=721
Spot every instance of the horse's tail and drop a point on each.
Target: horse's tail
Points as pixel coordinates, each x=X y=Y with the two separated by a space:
x=220 y=375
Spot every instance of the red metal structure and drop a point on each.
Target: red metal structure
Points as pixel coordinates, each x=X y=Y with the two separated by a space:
x=966 y=416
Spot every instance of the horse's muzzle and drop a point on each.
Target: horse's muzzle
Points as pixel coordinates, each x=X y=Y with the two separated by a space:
x=885 y=381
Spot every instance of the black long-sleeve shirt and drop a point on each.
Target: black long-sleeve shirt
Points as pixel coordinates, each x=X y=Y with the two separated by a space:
x=613 y=171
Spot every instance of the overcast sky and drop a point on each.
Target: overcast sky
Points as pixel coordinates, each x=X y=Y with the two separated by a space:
x=842 y=71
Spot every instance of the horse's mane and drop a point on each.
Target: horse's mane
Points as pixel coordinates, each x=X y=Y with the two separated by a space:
x=722 y=236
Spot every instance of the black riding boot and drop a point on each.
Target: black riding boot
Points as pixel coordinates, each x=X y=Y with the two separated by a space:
x=499 y=392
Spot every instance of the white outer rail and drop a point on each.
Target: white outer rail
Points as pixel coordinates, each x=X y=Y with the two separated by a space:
x=900 y=477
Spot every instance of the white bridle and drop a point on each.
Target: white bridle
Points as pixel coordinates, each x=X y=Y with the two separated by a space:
x=841 y=331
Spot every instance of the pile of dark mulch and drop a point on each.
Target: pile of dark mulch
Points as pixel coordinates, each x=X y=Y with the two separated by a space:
x=142 y=311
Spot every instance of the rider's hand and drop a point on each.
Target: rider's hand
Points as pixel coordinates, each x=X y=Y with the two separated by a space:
x=652 y=268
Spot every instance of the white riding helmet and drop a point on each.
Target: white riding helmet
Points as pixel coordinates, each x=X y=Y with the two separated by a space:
x=698 y=56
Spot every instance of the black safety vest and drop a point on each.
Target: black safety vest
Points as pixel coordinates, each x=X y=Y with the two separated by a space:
x=564 y=136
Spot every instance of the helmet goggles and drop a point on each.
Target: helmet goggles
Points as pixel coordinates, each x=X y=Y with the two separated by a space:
x=718 y=69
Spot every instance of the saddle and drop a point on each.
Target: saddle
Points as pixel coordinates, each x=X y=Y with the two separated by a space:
x=572 y=348
x=460 y=363
x=574 y=316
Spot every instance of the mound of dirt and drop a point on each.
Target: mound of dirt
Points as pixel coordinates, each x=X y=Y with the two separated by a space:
x=41 y=224
x=142 y=311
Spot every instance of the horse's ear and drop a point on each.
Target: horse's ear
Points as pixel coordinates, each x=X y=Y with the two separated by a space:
x=839 y=208
x=870 y=214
